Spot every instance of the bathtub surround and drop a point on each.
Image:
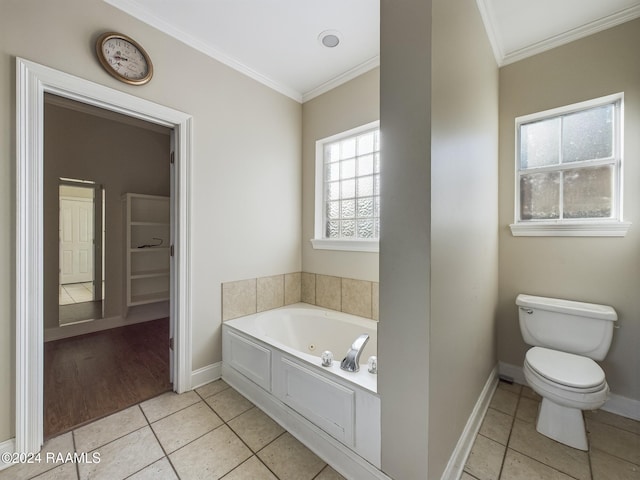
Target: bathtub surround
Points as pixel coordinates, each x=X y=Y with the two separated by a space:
x=245 y=297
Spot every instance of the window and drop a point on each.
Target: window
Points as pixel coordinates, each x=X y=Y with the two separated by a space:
x=348 y=190
x=569 y=171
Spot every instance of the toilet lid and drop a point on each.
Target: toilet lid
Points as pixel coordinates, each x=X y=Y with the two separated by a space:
x=565 y=368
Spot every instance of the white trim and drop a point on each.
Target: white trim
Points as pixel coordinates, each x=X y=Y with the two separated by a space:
x=623 y=406
x=32 y=81
x=319 y=242
x=514 y=372
x=206 y=374
x=342 y=78
x=591 y=227
x=461 y=452
x=505 y=58
x=8 y=446
x=614 y=229
x=572 y=35
x=346 y=245
x=489 y=21
x=344 y=460
x=149 y=18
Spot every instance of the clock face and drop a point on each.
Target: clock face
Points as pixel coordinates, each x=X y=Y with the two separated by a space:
x=124 y=59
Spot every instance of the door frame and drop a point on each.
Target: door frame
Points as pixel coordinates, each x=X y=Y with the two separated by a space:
x=97 y=233
x=32 y=82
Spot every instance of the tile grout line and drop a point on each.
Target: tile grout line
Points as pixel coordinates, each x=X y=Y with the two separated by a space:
x=75 y=449
x=253 y=454
x=513 y=421
x=166 y=455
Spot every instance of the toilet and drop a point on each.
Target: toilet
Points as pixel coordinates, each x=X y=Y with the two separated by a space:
x=566 y=338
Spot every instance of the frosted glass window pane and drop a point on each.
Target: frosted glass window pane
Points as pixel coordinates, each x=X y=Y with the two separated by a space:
x=588 y=135
x=333 y=191
x=332 y=152
x=540 y=143
x=540 y=196
x=348 y=148
x=588 y=192
x=376 y=227
x=333 y=229
x=332 y=172
x=365 y=143
x=351 y=173
x=376 y=184
x=348 y=228
x=365 y=228
x=348 y=188
x=333 y=210
x=348 y=209
x=365 y=207
x=365 y=186
x=365 y=165
x=348 y=168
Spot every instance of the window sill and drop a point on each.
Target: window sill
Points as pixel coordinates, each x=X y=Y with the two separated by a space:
x=345 y=245
x=612 y=229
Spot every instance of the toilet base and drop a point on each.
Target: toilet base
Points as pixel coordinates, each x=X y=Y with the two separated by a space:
x=562 y=424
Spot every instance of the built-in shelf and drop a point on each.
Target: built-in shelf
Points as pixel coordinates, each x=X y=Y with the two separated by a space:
x=147 y=237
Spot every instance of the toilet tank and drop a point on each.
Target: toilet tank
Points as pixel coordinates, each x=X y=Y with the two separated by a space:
x=574 y=327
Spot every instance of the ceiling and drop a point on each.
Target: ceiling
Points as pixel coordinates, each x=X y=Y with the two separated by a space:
x=277 y=41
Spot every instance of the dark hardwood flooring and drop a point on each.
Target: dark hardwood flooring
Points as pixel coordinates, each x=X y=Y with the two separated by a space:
x=91 y=376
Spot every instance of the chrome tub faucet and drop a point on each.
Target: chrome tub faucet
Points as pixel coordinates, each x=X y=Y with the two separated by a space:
x=350 y=363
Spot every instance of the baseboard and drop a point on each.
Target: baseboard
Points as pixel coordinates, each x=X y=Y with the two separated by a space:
x=8 y=446
x=623 y=406
x=513 y=372
x=626 y=407
x=458 y=458
x=204 y=375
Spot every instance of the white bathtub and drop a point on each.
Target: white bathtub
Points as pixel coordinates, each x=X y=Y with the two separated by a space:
x=273 y=358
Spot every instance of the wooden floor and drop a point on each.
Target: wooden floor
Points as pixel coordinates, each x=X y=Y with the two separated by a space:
x=94 y=375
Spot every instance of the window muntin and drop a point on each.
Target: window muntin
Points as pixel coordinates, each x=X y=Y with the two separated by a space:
x=569 y=164
x=348 y=190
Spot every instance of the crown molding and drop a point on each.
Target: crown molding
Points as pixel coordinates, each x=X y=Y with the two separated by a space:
x=135 y=10
x=599 y=25
x=342 y=78
x=505 y=58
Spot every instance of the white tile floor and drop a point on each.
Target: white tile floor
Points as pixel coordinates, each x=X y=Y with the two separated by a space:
x=76 y=293
x=211 y=433
x=214 y=432
x=508 y=447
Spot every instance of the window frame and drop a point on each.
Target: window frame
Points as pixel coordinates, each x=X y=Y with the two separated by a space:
x=596 y=227
x=319 y=241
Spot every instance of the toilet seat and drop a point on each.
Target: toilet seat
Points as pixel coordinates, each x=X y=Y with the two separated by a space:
x=567 y=371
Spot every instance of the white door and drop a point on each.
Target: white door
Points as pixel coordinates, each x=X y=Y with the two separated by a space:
x=76 y=240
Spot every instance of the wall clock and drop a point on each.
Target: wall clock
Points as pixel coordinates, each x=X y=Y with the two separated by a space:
x=124 y=58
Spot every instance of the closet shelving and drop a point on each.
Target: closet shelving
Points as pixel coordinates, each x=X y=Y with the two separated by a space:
x=147 y=244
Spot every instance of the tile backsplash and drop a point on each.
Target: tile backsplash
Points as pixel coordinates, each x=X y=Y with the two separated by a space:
x=244 y=297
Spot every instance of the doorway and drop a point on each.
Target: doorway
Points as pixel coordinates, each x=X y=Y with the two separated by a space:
x=33 y=81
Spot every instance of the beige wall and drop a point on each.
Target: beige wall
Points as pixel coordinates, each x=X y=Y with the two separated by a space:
x=246 y=173
x=350 y=105
x=439 y=250
x=464 y=219
x=597 y=270
x=405 y=243
x=122 y=158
